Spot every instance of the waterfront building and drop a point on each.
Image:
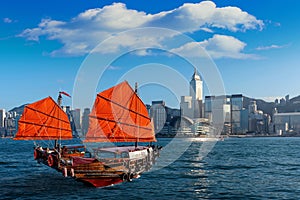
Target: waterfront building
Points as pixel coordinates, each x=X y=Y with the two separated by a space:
x=159 y=115
x=76 y=115
x=191 y=106
x=218 y=104
x=236 y=104
x=196 y=92
x=258 y=121
x=237 y=118
x=186 y=106
x=286 y=123
x=11 y=123
x=2 y=117
x=196 y=87
x=218 y=109
x=69 y=113
x=85 y=121
x=166 y=120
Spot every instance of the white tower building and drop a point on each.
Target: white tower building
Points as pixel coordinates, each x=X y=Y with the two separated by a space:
x=196 y=87
x=196 y=92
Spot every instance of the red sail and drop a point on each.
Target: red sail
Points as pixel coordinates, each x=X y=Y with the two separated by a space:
x=119 y=115
x=44 y=120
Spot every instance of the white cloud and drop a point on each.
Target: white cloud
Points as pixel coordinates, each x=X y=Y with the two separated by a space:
x=190 y=17
x=273 y=46
x=219 y=46
x=82 y=33
x=7 y=20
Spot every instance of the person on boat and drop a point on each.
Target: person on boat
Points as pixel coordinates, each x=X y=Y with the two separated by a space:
x=40 y=148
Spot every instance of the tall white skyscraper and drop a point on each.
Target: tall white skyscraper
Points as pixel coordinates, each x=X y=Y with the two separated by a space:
x=191 y=106
x=196 y=87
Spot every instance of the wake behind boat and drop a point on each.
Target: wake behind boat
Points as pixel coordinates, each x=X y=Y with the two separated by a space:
x=118 y=115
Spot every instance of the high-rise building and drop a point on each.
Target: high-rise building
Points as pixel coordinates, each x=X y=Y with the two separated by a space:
x=196 y=90
x=217 y=110
x=287 y=123
x=196 y=86
x=2 y=117
x=237 y=102
x=186 y=106
x=85 y=120
x=191 y=106
x=76 y=114
x=159 y=115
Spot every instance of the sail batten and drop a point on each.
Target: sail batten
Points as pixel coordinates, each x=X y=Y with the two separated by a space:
x=133 y=111
x=42 y=120
x=44 y=126
x=99 y=118
x=46 y=114
x=119 y=115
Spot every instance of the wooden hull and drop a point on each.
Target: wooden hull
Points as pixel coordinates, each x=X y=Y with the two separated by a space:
x=101 y=181
x=100 y=172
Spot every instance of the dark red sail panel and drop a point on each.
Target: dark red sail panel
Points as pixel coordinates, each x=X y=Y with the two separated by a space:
x=119 y=115
x=44 y=120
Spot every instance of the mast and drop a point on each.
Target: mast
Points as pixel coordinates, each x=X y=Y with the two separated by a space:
x=59 y=102
x=59 y=99
x=135 y=91
x=119 y=115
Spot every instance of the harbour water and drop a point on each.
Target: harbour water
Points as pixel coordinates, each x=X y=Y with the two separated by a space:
x=236 y=168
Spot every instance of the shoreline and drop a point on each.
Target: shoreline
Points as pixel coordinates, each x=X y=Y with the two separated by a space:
x=231 y=136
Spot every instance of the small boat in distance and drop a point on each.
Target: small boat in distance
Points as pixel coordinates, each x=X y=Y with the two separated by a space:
x=118 y=116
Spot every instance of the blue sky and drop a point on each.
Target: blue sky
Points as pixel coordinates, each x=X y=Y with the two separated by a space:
x=43 y=45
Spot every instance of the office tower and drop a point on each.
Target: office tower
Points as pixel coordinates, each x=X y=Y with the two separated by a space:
x=237 y=102
x=2 y=117
x=85 y=120
x=77 y=119
x=159 y=115
x=196 y=92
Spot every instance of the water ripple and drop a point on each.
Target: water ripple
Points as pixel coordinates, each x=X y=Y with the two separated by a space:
x=247 y=168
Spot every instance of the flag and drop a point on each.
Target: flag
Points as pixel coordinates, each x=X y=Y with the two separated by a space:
x=64 y=93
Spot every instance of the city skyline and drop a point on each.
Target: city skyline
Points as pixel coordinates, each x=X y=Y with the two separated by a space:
x=254 y=48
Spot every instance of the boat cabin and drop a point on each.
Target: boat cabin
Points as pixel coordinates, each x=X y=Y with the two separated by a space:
x=121 y=152
x=77 y=150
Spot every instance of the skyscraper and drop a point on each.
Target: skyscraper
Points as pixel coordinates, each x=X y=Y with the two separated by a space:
x=196 y=86
x=237 y=102
x=191 y=106
x=196 y=90
x=85 y=120
x=2 y=117
x=76 y=115
x=159 y=115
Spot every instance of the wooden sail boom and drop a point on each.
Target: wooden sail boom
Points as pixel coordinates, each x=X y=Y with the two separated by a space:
x=42 y=138
x=126 y=124
x=115 y=103
x=38 y=111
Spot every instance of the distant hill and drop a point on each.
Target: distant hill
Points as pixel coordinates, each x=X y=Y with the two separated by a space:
x=19 y=110
x=266 y=107
x=293 y=105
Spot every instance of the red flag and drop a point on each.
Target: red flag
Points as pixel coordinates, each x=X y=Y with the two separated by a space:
x=64 y=93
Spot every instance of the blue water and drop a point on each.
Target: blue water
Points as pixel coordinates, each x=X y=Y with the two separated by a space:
x=237 y=168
